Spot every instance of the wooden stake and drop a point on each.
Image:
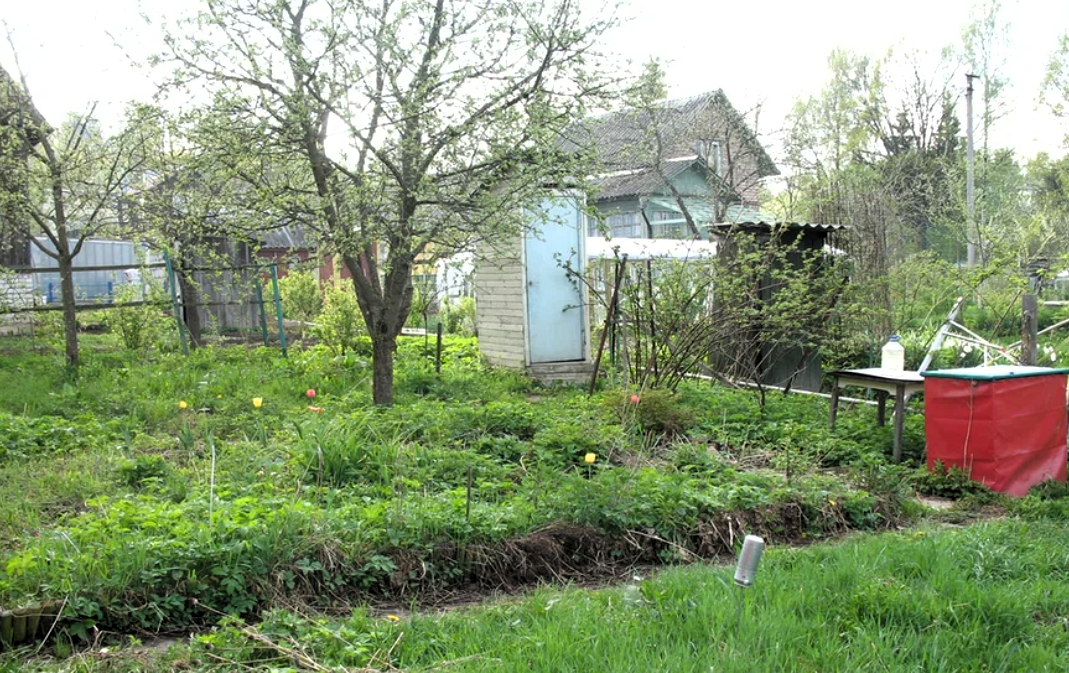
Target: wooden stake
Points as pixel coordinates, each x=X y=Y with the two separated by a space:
x=1029 y=329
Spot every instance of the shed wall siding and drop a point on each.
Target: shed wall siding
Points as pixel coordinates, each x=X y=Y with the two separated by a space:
x=499 y=304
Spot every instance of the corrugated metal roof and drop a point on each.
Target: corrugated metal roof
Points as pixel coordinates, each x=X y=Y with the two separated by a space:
x=738 y=213
x=290 y=237
x=768 y=226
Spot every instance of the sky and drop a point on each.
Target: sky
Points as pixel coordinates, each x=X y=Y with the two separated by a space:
x=76 y=52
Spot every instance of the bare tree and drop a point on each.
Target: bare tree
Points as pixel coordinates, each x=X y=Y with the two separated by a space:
x=60 y=185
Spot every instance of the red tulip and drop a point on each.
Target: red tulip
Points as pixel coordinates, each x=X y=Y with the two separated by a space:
x=311 y=393
x=634 y=399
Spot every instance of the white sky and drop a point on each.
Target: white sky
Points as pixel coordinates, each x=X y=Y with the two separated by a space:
x=773 y=51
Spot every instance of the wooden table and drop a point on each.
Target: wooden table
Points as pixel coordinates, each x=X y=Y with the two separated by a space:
x=885 y=382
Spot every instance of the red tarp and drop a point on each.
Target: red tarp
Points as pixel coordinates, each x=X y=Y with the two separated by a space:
x=1008 y=434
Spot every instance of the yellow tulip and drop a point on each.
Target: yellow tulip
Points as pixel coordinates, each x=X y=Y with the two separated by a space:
x=182 y=404
x=393 y=618
x=590 y=458
x=257 y=402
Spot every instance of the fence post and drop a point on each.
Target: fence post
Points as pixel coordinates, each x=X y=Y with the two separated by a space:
x=278 y=308
x=438 y=353
x=263 y=315
x=175 y=305
x=111 y=291
x=1029 y=326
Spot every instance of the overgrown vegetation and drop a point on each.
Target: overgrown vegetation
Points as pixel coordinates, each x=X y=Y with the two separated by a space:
x=158 y=491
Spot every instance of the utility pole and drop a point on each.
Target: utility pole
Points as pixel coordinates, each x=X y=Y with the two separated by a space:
x=970 y=187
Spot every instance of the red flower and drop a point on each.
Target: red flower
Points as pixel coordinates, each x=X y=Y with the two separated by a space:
x=634 y=399
x=311 y=393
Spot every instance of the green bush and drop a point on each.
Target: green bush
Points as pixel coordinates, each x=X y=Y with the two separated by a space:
x=301 y=297
x=340 y=324
x=653 y=411
x=142 y=470
x=458 y=317
x=1050 y=490
x=137 y=326
x=950 y=483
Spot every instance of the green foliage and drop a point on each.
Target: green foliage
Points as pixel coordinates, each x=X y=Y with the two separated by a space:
x=301 y=297
x=143 y=470
x=340 y=324
x=314 y=499
x=23 y=436
x=459 y=317
x=653 y=411
x=138 y=326
x=1050 y=490
x=950 y=483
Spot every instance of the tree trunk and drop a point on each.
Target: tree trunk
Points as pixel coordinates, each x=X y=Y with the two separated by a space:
x=70 y=316
x=190 y=299
x=382 y=350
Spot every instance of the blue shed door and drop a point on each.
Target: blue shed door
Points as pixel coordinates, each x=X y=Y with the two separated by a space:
x=554 y=299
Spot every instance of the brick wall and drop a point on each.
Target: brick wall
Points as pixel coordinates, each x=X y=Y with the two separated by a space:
x=499 y=299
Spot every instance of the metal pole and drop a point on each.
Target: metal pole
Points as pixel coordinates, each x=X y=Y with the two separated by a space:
x=438 y=352
x=970 y=187
x=175 y=305
x=278 y=308
x=263 y=313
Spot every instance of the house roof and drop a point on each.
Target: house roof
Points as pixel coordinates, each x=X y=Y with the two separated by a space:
x=289 y=237
x=615 y=136
x=638 y=181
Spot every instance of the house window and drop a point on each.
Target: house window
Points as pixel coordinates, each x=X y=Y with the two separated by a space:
x=709 y=150
x=622 y=225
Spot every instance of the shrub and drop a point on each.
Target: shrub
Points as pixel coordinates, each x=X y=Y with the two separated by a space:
x=657 y=411
x=950 y=483
x=340 y=324
x=301 y=297
x=1050 y=490
x=142 y=470
x=459 y=317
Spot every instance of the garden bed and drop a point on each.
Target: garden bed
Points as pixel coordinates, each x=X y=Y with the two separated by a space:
x=153 y=494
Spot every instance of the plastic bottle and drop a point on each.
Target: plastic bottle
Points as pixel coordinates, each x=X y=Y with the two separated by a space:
x=893 y=357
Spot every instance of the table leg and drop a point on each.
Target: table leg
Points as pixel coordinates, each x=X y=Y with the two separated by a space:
x=881 y=408
x=834 y=401
x=900 y=417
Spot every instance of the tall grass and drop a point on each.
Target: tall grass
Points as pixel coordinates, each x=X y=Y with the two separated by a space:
x=993 y=597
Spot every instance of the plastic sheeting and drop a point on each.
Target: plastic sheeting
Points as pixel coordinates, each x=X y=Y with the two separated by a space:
x=1007 y=433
